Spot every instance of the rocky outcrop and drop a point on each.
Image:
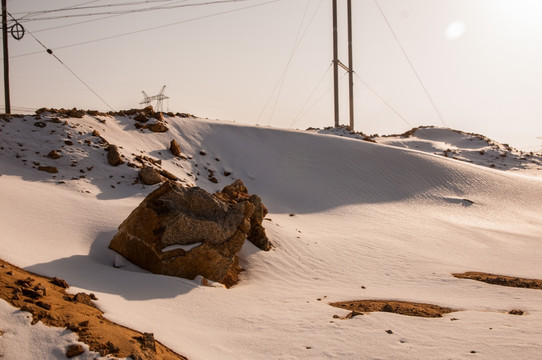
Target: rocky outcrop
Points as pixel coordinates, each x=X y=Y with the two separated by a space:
x=186 y=232
x=236 y=193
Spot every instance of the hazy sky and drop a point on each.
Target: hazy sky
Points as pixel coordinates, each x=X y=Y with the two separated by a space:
x=269 y=62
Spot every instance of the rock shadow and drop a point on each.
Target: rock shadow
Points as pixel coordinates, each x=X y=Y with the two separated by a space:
x=95 y=272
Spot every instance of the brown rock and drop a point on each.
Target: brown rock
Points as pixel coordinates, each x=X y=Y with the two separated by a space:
x=53 y=154
x=175 y=215
x=113 y=156
x=76 y=113
x=74 y=350
x=175 y=148
x=150 y=176
x=237 y=192
x=83 y=298
x=59 y=282
x=49 y=169
x=141 y=118
x=148 y=341
x=95 y=133
x=158 y=126
x=167 y=175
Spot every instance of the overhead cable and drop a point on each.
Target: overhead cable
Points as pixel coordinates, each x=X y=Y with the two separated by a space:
x=411 y=65
x=49 y=51
x=152 y=28
x=131 y=11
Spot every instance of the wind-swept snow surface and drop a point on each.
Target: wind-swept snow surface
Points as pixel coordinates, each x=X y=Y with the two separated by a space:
x=349 y=220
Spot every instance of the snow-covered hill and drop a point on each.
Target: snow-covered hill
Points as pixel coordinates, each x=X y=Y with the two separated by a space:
x=349 y=219
x=459 y=145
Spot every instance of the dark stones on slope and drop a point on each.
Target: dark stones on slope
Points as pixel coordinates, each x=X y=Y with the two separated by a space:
x=211 y=229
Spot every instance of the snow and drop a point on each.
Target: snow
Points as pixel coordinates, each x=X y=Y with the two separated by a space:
x=23 y=341
x=397 y=220
x=182 y=247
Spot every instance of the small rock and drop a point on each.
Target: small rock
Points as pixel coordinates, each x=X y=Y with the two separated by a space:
x=68 y=142
x=336 y=316
x=149 y=176
x=83 y=298
x=387 y=308
x=84 y=323
x=59 y=282
x=203 y=153
x=10 y=273
x=30 y=293
x=113 y=156
x=167 y=175
x=95 y=133
x=74 y=350
x=159 y=127
x=353 y=313
x=141 y=118
x=175 y=148
x=389 y=332
x=148 y=341
x=40 y=124
x=516 y=312
x=53 y=154
x=43 y=305
x=49 y=169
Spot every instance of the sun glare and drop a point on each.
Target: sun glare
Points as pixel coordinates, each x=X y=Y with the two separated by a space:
x=455 y=30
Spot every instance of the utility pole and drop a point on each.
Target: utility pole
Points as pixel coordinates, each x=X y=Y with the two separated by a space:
x=6 y=56
x=335 y=65
x=350 y=65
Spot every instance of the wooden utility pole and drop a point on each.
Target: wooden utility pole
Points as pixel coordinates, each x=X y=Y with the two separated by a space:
x=335 y=64
x=350 y=66
x=6 y=56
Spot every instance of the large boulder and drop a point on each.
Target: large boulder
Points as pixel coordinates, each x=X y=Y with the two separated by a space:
x=185 y=232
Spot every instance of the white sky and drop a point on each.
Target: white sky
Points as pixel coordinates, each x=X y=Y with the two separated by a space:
x=479 y=60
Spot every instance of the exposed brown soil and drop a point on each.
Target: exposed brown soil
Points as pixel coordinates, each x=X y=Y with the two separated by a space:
x=501 y=280
x=48 y=302
x=397 y=307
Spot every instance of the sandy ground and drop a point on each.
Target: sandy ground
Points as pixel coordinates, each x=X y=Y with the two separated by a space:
x=48 y=302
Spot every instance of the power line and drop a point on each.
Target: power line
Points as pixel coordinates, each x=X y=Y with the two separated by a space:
x=383 y=100
x=411 y=65
x=162 y=7
x=318 y=99
x=301 y=112
x=49 y=51
x=282 y=77
x=79 y=7
x=152 y=28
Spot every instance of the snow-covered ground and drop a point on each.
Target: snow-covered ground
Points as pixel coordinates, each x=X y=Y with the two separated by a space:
x=371 y=221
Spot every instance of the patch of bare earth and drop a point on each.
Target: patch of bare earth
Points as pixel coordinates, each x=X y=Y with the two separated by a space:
x=501 y=280
x=358 y=307
x=48 y=302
